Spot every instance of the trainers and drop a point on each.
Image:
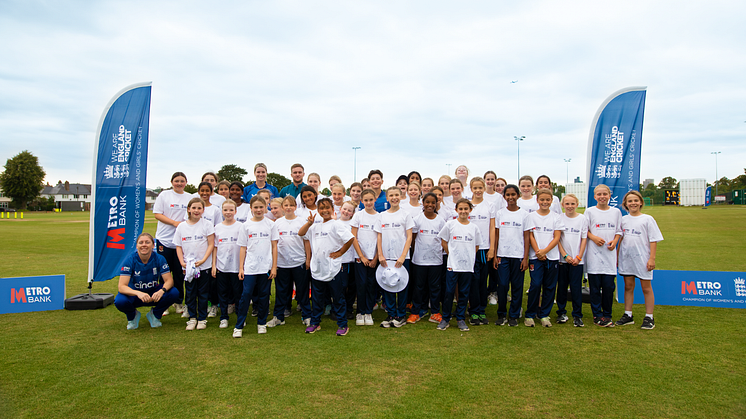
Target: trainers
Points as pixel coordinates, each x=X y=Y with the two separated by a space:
x=605 y=322
x=462 y=326
x=483 y=320
x=546 y=322
x=474 y=320
x=223 y=324
x=288 y=312
x=443 y=325
x=191 y=324
x=369 y=320
x=328 y=310
x=596 y=320
x=313 y=328
x=625 y=320
x=261 y=329
x=185 y=313
x=342 y=331
x=577 y=322
x=648 y=323
x=435 y=318
x=179 y=308
x=529 y=322
x=306 y=322
x=562 y=319
x=360 y=320
x=501 y=321
x=237 y=333
x=202 y=325
x=212 y=311
x=399 y=321
x=254 y=312
x=134 y=323
x=275 y=322
x=165 y=312
x=154 y=322
x=231 y=308
x=413 y=318
x=512 y=322
x=492 y=299
x=387 y=323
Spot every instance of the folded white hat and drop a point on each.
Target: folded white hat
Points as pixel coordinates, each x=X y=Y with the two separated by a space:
x=392 y=279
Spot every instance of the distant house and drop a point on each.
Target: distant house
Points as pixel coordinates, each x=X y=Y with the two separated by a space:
x=150 y=197
x=69 y=196
x=4 y=201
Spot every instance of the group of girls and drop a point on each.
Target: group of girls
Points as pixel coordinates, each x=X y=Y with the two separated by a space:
x=474 y=244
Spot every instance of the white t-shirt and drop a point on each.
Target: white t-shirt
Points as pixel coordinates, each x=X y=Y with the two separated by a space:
x=243 y=213
x=393 y=229
x=227 y=248
x=326 y=238
x=604 y=224
x=291 y=250
x=367 y=237
x=173 y=206
x=543 y=228
x=480 y=216
x=496 y=199
x=462 y=245
x=528 y=205
x=512 y=224
x=409 y=209
x=217 y=199
x=193 y=240
x=428 y=250
x=447 y=202
x=634 y=250
x=303 y=213
x=350 y=254
x=576 y=229
x=257 y=237
x=212 y=214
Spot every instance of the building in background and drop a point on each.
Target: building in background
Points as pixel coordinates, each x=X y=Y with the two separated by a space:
x=69 y=196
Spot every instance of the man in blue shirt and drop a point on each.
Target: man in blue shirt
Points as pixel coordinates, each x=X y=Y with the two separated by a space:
x=375 y=177
x=297 y=172
x=260 y=173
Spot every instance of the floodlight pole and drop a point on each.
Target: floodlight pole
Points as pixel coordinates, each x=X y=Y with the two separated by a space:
x=716 y=171
x=354 y=165
x=567 y=180
x=519 y=139
x=449 y=169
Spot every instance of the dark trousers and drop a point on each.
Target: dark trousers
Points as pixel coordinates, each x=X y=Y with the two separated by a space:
x=350 y=287
x=427 y=289
x=572 y=276
x=463 y=281
x=177 y=272
x=542 y=289
x=284 y=281
x=602 y=294
x=478 y=288
x=332 y=290
x=396 y=302
x=128 y=304
x=510 y=276
x=261 y=284
x=366 y=288
x=228 y=286
x=197 y=292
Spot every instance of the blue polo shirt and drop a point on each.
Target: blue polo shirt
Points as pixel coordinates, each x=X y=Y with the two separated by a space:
x=252 y=190
x=145 y=277
x=291 y=190
x=381 y=204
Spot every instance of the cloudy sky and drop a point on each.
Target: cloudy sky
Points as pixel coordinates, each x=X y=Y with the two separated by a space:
x=416 y=84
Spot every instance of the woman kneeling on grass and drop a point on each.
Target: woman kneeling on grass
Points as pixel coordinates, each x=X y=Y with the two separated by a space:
x=139 y=284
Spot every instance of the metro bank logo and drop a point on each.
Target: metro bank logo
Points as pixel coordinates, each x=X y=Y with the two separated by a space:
x=30 y=295
x=33 y=293
x=701 y=288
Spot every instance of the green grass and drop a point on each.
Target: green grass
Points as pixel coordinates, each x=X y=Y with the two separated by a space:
x=84 y=364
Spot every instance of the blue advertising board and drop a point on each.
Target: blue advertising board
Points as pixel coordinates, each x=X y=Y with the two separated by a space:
x=32 y=293
x=693 y=288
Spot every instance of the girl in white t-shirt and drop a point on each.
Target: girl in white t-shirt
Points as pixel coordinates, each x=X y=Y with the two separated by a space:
x=412 y=205
x=356 y=191
x=363 y=228
x=329 y=241
x=225 y=260
x=427 y=185
x=572 y=251
x=195 y=239
x=243 y=209
x=527 y=201
x=496 y=197
x=545 y=227
x=169 y=209
x=427 y=259
x=460 y=239
x=543 y=182
x=511 y=256
x=214 y=198
x=483 y=216
x=257 y=266
x=445 y=184
x=338 y=198
x=457 y=189
x=213 y=215
x=291 y=257
x=637 y=257
x=604 y=230
x=346 y=212
x=394 y=241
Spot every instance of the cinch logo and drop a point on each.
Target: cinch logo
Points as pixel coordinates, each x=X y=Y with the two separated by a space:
x=115 y=236
x=30 y=295
x=701 y=288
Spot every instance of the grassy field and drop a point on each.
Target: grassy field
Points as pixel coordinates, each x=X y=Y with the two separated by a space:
x=82 y=364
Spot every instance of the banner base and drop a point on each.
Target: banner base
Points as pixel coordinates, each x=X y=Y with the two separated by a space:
x=89 y=301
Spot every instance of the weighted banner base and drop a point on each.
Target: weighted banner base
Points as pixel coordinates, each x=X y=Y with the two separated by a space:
x=89 y=301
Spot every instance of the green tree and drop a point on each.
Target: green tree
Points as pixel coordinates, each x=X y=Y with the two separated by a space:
x=23 y=179
x=668 y=183
x=232 y=173
x=189 y=188
x=277 y=180
x=326 y=192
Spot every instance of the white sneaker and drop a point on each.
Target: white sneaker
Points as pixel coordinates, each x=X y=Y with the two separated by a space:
x=184 y=312
x=307 y=322
x=529 y=322
x=237 y=333
x=212 y=311
x=261 y=329
x=165 y=313
x=275 y=322
x=231 y=308
x=369 y=320
x=202 y=325
x=360 y=320
x=179 y=308
x=492 y=299
x=223 y=324
x=191 y=324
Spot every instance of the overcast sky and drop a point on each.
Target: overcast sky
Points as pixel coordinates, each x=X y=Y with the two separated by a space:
x=415 y=84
